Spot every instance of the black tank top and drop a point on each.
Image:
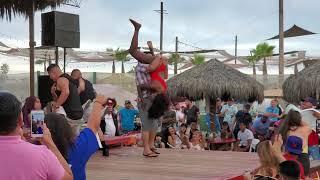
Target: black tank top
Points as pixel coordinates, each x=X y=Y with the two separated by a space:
x=88 y=93
x=72 y=105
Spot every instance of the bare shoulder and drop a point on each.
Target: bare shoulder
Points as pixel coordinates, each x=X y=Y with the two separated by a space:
x=62 y=80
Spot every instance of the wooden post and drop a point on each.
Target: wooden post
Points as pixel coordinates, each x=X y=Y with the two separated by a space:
x=57 y=55
x=176 y=59
x=236 y=50
x=94 y=78
x=31 y=45
x=211 y=109
x=281 y=39
x=64 y=59
x=161 y=26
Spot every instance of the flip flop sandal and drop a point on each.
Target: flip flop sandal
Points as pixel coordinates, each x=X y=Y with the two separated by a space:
x=151 y=155
x=154 y=150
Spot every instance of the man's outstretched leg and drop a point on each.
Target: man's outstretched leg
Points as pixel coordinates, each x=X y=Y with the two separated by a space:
x=138 y=55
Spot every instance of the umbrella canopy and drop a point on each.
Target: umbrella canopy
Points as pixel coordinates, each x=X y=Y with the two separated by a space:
x=214 y=79
x=303 y=84
x=9 y=8
x=294 y=31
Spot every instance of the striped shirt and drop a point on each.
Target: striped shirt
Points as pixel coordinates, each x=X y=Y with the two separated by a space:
x=142 y=77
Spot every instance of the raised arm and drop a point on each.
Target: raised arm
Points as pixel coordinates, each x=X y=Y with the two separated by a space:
x=95 y=116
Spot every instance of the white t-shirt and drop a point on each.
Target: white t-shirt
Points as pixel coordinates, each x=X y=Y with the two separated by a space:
x=244 y=137
x=110 y=127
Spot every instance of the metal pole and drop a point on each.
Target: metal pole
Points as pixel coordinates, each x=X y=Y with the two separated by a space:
x=281 y=39
x=161 y=26
x=31 y=45
x=57 y=55
x=236 y=50
x=64 y=60
x=176 y=58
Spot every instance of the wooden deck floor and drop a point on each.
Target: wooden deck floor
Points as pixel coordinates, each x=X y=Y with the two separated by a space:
x=129 y=164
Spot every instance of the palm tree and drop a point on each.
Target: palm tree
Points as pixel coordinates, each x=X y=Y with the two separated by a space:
x=253 y=59
x=120 y=55
x=264 y=50
x=174 y=60
x=197 y=59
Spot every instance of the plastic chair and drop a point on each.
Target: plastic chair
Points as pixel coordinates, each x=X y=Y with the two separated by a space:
x=253 y=145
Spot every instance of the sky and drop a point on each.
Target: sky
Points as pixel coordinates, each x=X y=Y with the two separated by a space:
x=206 y=24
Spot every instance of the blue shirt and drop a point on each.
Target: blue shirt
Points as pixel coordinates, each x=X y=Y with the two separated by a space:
x=273 y=110
x=216 y=123
x=127 y=118
x=85 y=145
x=261 y=128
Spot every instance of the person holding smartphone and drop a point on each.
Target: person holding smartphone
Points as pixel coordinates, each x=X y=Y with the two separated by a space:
x=20 y=159
x=77 y=149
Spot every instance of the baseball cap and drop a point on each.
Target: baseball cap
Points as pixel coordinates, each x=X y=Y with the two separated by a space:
x=311 y=100
x=294 y=145
x=127 y=102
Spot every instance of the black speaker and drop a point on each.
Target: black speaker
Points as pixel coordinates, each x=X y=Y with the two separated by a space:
x=60 y=29
x=44 y=89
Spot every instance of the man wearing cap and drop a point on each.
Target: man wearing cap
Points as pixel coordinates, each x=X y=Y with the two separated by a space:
x=126 y=117
x=109 y=125
x=293 y=150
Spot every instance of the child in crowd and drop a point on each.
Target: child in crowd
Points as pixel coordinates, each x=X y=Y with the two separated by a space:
x=225 y=134
x=225 y=131
x=245 y=137
x=158 y=143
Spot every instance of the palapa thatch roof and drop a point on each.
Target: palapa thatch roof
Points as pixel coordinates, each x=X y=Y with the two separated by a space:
x=9 y=8
x=303 y=84
x=214 y=79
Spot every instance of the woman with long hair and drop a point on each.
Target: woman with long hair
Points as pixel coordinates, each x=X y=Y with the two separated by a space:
x=31 y=103
x=293 y=125
x=269 y=163
x=197 y=142
x=174 y=140
x=77 y=150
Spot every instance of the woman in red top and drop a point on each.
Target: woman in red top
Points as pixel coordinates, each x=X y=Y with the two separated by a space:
x=158 y=73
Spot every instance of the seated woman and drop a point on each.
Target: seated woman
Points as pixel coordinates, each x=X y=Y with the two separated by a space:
x=197 y=142
x=174 y=140
x=77 y=150
x=269 y=162
x=183 y=135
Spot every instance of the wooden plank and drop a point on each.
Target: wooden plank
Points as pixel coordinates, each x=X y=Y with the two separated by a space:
x=128 y=163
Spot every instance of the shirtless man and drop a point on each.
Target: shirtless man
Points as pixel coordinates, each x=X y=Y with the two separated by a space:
x=65 y=93
x=85 y=87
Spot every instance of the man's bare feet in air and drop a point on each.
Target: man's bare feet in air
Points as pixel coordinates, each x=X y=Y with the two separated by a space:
x=136 y=25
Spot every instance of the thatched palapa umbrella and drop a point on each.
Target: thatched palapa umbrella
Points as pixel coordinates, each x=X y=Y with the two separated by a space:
x=303 y=84
x=214 y=79
x=26 y=8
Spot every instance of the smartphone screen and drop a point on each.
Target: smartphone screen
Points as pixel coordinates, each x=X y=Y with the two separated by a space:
x=37 y=121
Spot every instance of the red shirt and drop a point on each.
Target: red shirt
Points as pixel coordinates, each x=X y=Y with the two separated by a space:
x=313 y=139
x=290 y=157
